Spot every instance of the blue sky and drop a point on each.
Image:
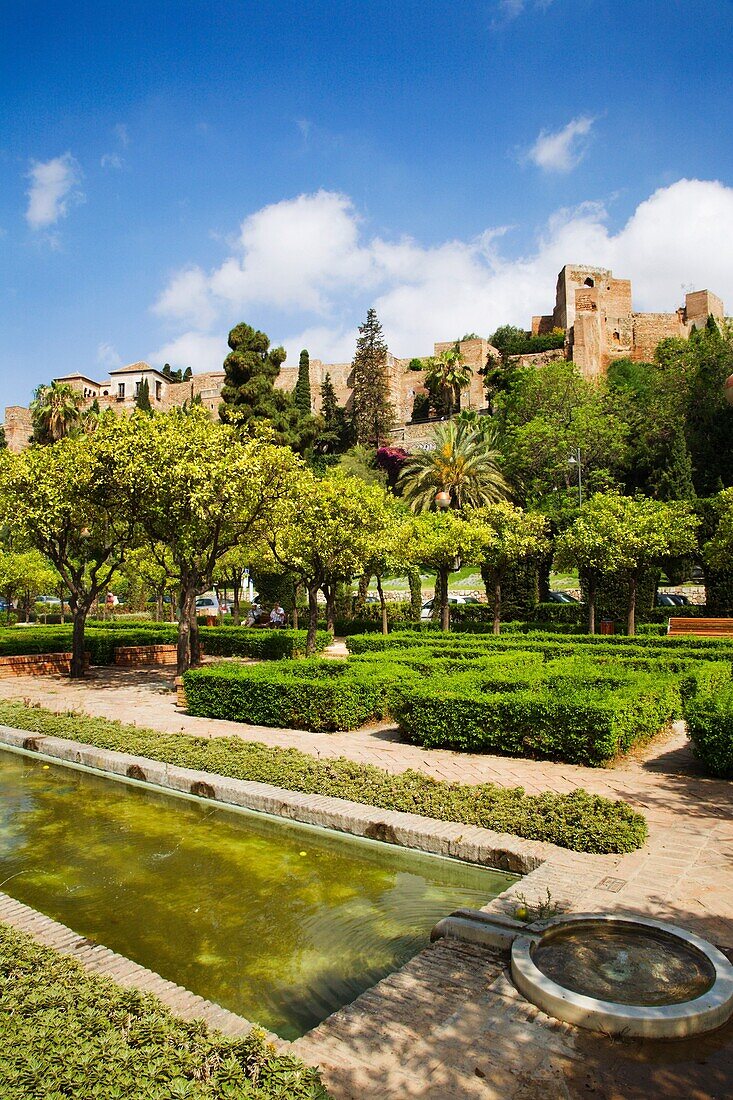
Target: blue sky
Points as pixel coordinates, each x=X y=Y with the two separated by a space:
x=169 y=169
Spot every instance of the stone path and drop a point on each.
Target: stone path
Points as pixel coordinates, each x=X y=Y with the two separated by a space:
x=422 y=1033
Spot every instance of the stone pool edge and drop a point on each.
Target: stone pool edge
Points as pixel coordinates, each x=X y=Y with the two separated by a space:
x=470 y=843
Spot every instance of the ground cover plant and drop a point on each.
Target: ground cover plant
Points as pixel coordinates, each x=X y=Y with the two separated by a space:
x=66 y=1033
x=579 y=821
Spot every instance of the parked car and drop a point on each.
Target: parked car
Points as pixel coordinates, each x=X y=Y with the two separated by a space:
x=427 y=607
x=561 y=597
x=210 y=604
x=671 y=599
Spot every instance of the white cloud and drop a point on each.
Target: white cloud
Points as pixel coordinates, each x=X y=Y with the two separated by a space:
x=507 y=10
x=308 y=262
x=108 y=356
x=51 y=190
x=111 y=160
x=122 y=134
x=193 y=349
x=561 y=150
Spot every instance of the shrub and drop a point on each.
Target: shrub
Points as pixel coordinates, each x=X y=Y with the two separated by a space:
x=67 y=1033
x=576 y=725
x=312 y=695
x=580 y=821
x=101 y=641
x=709 y=715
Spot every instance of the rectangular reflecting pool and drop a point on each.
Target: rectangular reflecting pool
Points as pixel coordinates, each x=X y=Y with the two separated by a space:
x=279 y=922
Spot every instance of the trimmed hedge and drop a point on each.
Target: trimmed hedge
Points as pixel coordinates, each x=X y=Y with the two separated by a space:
x=709 y=715
x=67 y=1033
x=101 y=641
x=579 y=821
x=575 y=725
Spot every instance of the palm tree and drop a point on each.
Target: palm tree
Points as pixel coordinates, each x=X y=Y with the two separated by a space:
x=447 y=375
x=463 y=464
x=56 y=412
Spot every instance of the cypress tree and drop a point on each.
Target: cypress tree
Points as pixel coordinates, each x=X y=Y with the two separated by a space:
x=142 y=397
x=373 y=414
x=249 y=397
x=302 y=392
x=336 y=435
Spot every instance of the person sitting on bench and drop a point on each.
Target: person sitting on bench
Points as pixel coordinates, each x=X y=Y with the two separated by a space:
x=277 y=615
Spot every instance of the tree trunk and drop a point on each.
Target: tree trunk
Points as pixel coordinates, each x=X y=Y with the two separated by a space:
x=310 y=645
x=195 y=642
x=361 y=594
x=631 y=619
x=413 y=579
x=296 y=593
x=236 y=609
x=77 y=644
x=329 y=591
x=383 y=602
x=497 y=605
x=444 y=606
x=591 y=606
x=159 y=606
x=186 y=602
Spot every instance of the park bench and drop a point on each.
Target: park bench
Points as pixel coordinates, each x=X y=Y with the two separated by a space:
x=705 y=628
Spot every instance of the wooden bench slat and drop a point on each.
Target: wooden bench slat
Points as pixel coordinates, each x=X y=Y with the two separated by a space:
x=707 y=628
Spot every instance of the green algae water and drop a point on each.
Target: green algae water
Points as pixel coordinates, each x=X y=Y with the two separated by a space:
x=278 y=922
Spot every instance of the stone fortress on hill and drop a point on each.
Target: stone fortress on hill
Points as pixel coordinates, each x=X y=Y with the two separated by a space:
x=592 y=307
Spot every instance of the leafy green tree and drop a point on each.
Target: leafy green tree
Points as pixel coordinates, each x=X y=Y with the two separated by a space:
x=24 y=575
x=56 y=412
x=337 y=432
x=249 y=397
x=302 y=393
x=706 y=363
x=590 y=545
x=650 y=399
x=446 y=376
x=463 y=463
x=629 y=535
x=3 y=440
x=443 y=541
x=324 y=532
x=547 y=415
x=509 y=537
x=201 y=491
x=65 y=501
x=374 y=416
x=509 y=340
x=142 y=397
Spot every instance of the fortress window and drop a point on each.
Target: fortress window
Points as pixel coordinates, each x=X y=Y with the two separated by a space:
x=617 y=337
x=589 y=282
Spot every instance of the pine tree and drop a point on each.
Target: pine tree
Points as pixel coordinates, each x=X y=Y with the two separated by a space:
x=329 y=404
x=249 y=397
x=302 y=392
x=373 y=414
x=142 y=397
x=336 y=435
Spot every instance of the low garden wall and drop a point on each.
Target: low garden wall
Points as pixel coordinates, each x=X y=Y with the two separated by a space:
x=37 y=664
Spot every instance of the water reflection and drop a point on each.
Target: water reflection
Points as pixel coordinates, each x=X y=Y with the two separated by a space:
x=276 y=922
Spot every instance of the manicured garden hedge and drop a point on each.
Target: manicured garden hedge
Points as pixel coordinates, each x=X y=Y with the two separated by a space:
x=101 y=641
x=66 y=1033
x=709 y=715
x=579 y=821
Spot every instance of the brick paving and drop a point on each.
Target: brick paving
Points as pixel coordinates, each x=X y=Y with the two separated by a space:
x=683 y=874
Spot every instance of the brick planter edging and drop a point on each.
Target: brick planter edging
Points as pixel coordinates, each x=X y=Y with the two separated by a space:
x=447 y=838
x=37 y=664
x=133 y=655
x=97 y=959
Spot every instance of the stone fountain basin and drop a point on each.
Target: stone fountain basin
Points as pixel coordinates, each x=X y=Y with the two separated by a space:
x=711 y=977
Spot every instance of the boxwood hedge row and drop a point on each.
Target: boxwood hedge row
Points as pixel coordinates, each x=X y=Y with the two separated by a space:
x=579 y=821
x=101 y=641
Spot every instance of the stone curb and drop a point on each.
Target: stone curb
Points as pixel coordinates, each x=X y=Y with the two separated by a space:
x=471 y=843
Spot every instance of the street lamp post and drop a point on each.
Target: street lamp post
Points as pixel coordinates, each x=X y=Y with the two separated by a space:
x=576 y=459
